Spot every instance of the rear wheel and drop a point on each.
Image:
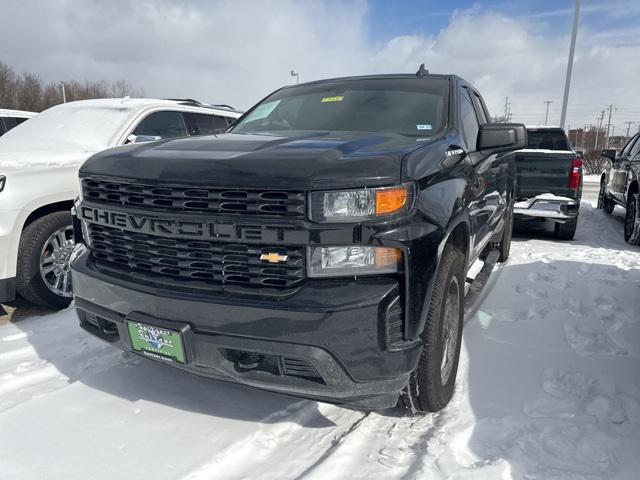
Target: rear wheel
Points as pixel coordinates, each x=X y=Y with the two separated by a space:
x=604 y=202
x=632 y=221
x=43 y=275
x=567 y=230
x=431 y=385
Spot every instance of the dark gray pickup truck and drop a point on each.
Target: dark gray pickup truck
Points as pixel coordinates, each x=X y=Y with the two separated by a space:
x=549 y=181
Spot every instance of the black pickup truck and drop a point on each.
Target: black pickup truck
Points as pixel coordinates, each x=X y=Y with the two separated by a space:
x=549 y=183
x=320 y=248
x=619 y=186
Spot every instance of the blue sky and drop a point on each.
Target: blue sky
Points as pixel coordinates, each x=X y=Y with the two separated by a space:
x=415 y=17
x=236 y=52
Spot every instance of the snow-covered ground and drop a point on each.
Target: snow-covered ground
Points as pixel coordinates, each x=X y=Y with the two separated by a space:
x=549 y=387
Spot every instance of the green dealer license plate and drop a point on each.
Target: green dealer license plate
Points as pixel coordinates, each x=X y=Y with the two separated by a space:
x=156 y=342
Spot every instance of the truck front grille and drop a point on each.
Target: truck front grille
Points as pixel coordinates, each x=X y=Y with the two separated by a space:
x=190 y=198
x=214 y=263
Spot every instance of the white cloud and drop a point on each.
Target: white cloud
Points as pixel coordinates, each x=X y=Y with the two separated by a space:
x=237 y=52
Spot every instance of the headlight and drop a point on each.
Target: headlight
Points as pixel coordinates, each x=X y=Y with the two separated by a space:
x=351 y=261
x=358 y=205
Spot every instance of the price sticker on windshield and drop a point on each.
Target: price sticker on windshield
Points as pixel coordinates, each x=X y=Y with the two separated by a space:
x=338 y=98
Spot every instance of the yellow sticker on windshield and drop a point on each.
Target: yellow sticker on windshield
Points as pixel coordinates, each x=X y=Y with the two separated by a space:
x=332 y=99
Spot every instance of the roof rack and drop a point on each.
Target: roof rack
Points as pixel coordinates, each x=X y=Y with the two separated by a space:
x=196 y=103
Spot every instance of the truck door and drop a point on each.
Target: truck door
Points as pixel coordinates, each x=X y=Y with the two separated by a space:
x=488 y=202
x=632 y=160
x=619 y=169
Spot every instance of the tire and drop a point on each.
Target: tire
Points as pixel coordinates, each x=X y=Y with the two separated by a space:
x=604 y=202
x=431 y=384
x=504 y=247
x=632 y=221
x=30 y=282
x=567 y=230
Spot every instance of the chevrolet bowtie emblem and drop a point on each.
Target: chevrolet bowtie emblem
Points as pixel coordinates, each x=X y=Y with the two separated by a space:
x=272 y=257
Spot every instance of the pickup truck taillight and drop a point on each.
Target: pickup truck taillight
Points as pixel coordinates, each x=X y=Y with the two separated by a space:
x=576 y=173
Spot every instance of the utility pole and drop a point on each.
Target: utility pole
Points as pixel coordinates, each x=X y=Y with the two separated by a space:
x=572 y=49
x=546 y=116
x=598 y=127
x=64 y=95
x=506 y=105
x=628 y=124
x=606 y=143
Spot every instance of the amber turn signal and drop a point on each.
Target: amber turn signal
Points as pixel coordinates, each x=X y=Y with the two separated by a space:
x=389 y=200
x=386 y=257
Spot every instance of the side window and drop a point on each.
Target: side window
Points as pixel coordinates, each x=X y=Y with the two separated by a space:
x=162 y=124
x=627 y=148
x=635 y=150
x=468 y=119
x=2 y=129
x=199 y=123
x=10 y=122
x=221 y=123
x=20 y=120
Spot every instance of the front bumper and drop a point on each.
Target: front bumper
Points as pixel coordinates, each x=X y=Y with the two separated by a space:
x=557 y=209
x=334 y=329
x=11 y=222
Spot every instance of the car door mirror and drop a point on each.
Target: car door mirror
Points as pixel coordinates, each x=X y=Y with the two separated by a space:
x=501 y=137
x=142 y=138
x=609 y=153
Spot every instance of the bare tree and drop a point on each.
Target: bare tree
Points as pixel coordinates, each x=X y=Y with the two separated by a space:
x=594 y=162
x=8 y=84
x=28 y=92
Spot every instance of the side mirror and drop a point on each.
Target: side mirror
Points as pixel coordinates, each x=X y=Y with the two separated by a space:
x=609 y=153
x=142 y=138
x=501 y=137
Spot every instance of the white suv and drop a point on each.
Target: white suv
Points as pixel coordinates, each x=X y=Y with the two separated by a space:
x=39 y=162
x=12 y=118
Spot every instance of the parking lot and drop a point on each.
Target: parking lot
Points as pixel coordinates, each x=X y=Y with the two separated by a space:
x=548 y=387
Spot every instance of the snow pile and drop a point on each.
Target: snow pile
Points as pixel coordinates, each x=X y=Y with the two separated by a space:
x=549 y=387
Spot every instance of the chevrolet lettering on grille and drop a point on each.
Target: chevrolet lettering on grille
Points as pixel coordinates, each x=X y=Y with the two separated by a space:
x=177 y=228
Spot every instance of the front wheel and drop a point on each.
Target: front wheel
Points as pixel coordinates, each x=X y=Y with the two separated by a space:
x=632 y=221
x=432 y=383
x=504 y=247
x=43 y=275
x=604 y=201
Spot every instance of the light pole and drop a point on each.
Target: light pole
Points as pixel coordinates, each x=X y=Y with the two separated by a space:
x=297 y=75
x=546 y=116
x=64 y=95
x=572 y=49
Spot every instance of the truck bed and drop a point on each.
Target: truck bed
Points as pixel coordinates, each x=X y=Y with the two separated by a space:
x=544 y=172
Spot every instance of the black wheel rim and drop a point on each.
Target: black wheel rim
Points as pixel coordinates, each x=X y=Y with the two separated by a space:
x=450 y=328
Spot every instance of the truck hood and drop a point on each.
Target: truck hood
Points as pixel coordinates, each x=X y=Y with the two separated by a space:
x=295 y=160
x=23 y=155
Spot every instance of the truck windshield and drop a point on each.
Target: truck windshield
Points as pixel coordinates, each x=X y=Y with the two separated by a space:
x=547 y=140
x=410 y=106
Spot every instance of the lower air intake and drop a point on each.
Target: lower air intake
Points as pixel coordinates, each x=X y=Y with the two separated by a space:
x=298 y=368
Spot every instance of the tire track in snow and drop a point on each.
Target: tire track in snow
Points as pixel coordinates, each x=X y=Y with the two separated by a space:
x=382 y=446
x=287 y=440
